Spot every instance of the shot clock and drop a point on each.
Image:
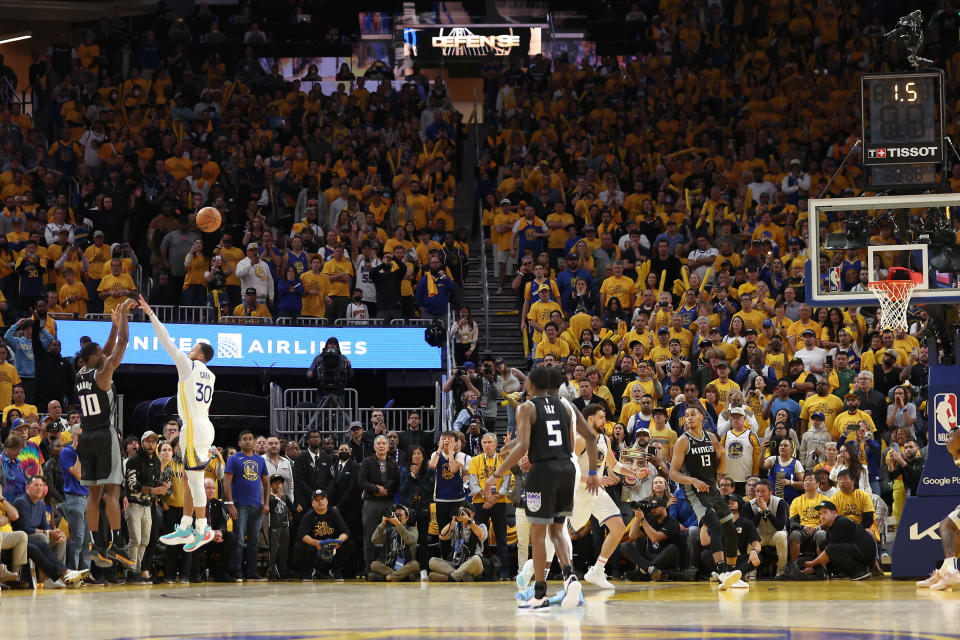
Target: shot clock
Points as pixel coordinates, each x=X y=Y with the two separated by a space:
x=902 y=118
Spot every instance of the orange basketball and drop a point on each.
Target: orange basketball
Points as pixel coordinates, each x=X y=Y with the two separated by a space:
x=208 y=219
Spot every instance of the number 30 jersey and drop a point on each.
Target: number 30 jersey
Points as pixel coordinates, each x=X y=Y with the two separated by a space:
x=194 y=393
x=551 y=432
x=96 y=405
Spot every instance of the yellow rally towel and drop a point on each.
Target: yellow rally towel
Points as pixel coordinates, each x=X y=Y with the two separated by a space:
x=431 y=285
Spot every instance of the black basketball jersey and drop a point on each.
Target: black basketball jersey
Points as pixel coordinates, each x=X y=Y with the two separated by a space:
x=96 y=405
x=701 y=459
x=550 y=432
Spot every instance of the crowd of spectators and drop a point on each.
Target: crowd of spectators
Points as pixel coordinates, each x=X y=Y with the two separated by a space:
x=650 y=214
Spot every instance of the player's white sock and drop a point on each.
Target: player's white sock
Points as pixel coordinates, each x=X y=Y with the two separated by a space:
x=201 y=524
x=186 y=521
x=949 y=564
x=601 y=562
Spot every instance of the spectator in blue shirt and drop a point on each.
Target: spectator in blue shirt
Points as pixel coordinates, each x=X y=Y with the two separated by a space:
x=567 y=280
x=246 y=485
x=782 y=400
x=46 y=546
x=15 y=481
x=434 y=291
x=19 y=337
x=74 y=506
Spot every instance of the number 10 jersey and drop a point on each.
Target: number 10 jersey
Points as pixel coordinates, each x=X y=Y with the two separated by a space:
x=96 y=405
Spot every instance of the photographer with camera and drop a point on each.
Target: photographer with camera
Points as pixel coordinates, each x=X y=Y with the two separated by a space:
x=463 y=379
x=331 y=371
x=654 y=540
x=464 y=561
x=398 y=547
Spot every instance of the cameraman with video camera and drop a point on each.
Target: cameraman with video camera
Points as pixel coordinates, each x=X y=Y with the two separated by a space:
x=654 y=540
x=331 y=371
x=398 y=547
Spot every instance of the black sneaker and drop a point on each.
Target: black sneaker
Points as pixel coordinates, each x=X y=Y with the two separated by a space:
x=120 y=555
x=861 y=575
x=99 y=556
x=112 y=579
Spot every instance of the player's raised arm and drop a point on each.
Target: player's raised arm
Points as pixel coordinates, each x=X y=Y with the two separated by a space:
x=526 y=414
x=179 y=357
x=112 y=361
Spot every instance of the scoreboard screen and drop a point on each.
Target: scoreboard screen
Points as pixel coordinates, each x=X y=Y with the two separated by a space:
x=902 y=118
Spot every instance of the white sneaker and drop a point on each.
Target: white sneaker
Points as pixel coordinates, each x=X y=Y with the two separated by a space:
x=75 y=576
x=424 y=576
x=948 y=580
x=740 y=584
x=573 y=590
x=595 y=575
x=53 y=584
x=729 y=578
x=934 y=578
x=525 y=574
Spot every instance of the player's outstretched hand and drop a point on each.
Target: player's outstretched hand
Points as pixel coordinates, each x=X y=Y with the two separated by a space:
x=490 y=484
x=127 y=305
x=144 y=306
x=593 y=484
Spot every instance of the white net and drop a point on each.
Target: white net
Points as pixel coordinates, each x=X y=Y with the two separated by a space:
x=894 y=296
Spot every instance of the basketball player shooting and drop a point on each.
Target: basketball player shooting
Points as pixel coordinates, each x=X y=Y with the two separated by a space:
x=697 y=459
x=947 y=576
x=546 y=428
x=98 y=448
x=194 y=393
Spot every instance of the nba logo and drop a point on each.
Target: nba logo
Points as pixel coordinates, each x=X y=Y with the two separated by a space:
x=945 y=413
x=833 y=277
x=229 y=345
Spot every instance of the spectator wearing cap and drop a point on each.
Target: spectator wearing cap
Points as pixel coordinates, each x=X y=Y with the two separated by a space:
x=435 y=291
x=801 y=324
x=322 y=543
x=654 y=541
x=255 y=274
x=14 y=478
x=724 y=385
x=848 y=550
x=361 y=443
x=742 y=447
x=251 y=307
x=813 y=443
x=796 y=184
x=812 y=356
x=379 y=479
x=143 y=489
x=279 y=518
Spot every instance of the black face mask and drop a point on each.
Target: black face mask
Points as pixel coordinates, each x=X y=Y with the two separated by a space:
x=343 y=455
x=357 y=300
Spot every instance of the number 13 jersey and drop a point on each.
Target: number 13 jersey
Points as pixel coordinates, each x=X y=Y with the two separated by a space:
x=701 y=459
x=551 y=430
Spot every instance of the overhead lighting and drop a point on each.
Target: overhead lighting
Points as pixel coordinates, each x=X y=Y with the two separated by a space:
x=14 y=37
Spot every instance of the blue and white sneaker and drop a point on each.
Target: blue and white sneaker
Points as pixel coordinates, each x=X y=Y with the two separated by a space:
x=524 y=594
x=525 y=575
x=557 y=599
x=534 y=603
x=199 y=539
x=179 y=535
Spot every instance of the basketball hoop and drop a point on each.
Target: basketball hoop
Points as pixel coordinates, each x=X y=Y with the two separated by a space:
x=894 y=296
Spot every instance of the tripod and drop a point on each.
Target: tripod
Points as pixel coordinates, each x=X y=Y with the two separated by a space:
x=333 y=404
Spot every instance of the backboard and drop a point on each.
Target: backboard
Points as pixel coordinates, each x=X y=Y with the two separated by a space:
x=895 y=231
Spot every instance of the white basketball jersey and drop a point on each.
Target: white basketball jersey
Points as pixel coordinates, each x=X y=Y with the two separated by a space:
x=601 y=464
x=739 y=450
x=195 y=393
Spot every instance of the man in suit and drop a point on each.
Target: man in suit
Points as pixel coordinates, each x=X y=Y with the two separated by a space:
x=219 y=553
x=345 y=496
x=311 y=470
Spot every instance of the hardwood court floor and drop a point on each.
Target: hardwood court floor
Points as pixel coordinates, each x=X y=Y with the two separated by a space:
x=836 y=610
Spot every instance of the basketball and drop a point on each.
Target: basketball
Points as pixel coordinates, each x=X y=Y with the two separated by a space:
x=208 y=219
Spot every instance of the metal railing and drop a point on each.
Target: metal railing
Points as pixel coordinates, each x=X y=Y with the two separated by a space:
x=484 y=282
x=245 y=320
x=293 y=412
x=196 y=315
x=286 y=321
x=61 y=316
x=365 y=322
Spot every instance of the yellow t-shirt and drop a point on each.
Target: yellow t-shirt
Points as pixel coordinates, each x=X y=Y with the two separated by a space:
x=97 y=257
x=830 y=406
x=336 y=267
x=666 y=435
x=483 y=468
x=78 y=306
x=723 y=392
x=806 y=508
x=231 y=257
x=260 y=311
x=844 y=418
x=752 y=319
x=646 y=385
x=194 y=275
x=314 y=305
x=559 y=349
x=8 y=378
x=111 y=282
x=540 y=313
x=24 y=409
x=854 y=505
x=619 y=287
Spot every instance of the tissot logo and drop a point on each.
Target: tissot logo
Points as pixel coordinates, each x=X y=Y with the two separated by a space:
x=883 y=153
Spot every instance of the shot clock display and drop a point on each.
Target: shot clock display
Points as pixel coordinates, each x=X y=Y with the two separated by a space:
x=902 y=118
